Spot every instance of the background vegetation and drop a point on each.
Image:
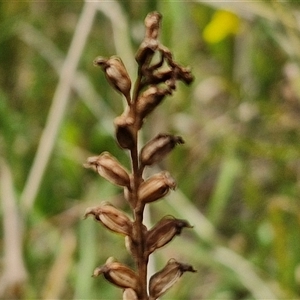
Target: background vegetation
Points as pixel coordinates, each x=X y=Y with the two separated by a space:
x=238 y=173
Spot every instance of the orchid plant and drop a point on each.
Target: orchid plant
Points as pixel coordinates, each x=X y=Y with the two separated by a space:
x=156 y=79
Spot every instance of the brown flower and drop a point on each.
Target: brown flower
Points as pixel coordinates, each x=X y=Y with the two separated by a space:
x=109 y=168
x=124 y=130
x=156 y=149
x=163 y=280
x=148 y=101
x=111 y=218
x=164 y=231
x=156 y=187
x=118 y=274
x=116 y=74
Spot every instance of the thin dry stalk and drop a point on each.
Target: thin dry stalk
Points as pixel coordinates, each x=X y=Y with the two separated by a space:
x=154 y=82
x=58 y=107
x=14 y=275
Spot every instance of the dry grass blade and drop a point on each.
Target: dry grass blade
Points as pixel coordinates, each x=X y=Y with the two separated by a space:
x=58 y=107
x=14 y=273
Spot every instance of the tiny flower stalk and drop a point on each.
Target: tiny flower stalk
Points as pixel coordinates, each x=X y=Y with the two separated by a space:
x=155 y=82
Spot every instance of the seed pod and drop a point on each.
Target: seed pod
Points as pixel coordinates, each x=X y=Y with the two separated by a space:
x=116 y=74
x=156 y=187
x=118 y=274
x=149 y=100
x=129 y=294
x=124 y=131
x=109 y=168
x=164 y=231
x=112 y=218
x=163 y=280
x=156 y=149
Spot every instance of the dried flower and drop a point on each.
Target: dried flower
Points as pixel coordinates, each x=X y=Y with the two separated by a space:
x=109 y=168
x=116 y=74
x=164 y=231
x=155 y=150
x=124 y=131
x=161 y=281
x=149 y=100
x=118 y=274
x=150 y=43
x=156 y=187
x=111 y=218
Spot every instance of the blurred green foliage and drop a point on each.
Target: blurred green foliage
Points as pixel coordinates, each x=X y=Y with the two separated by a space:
x=239 y=167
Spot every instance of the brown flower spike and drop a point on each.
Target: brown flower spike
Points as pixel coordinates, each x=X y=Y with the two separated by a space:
x=155 y=81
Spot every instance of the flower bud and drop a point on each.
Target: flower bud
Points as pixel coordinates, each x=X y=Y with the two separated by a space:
x=116 y=74
x=163 y=280
x=152 y=23
x=109 y=168
x=164 y=231
x=156 y=187
x=124 y=131
x=118 y=274
x=129 y=294
x=150 y=43
x=149 y=100
x=156 y=149
x=112 y=218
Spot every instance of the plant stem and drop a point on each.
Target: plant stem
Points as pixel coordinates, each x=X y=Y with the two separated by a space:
x=141 y=259
x=139 y=239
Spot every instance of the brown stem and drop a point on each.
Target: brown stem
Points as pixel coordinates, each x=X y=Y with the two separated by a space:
x=141 y=258
x=139 y=239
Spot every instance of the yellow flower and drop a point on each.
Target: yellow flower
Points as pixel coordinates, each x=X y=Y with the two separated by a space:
x=223 y=24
